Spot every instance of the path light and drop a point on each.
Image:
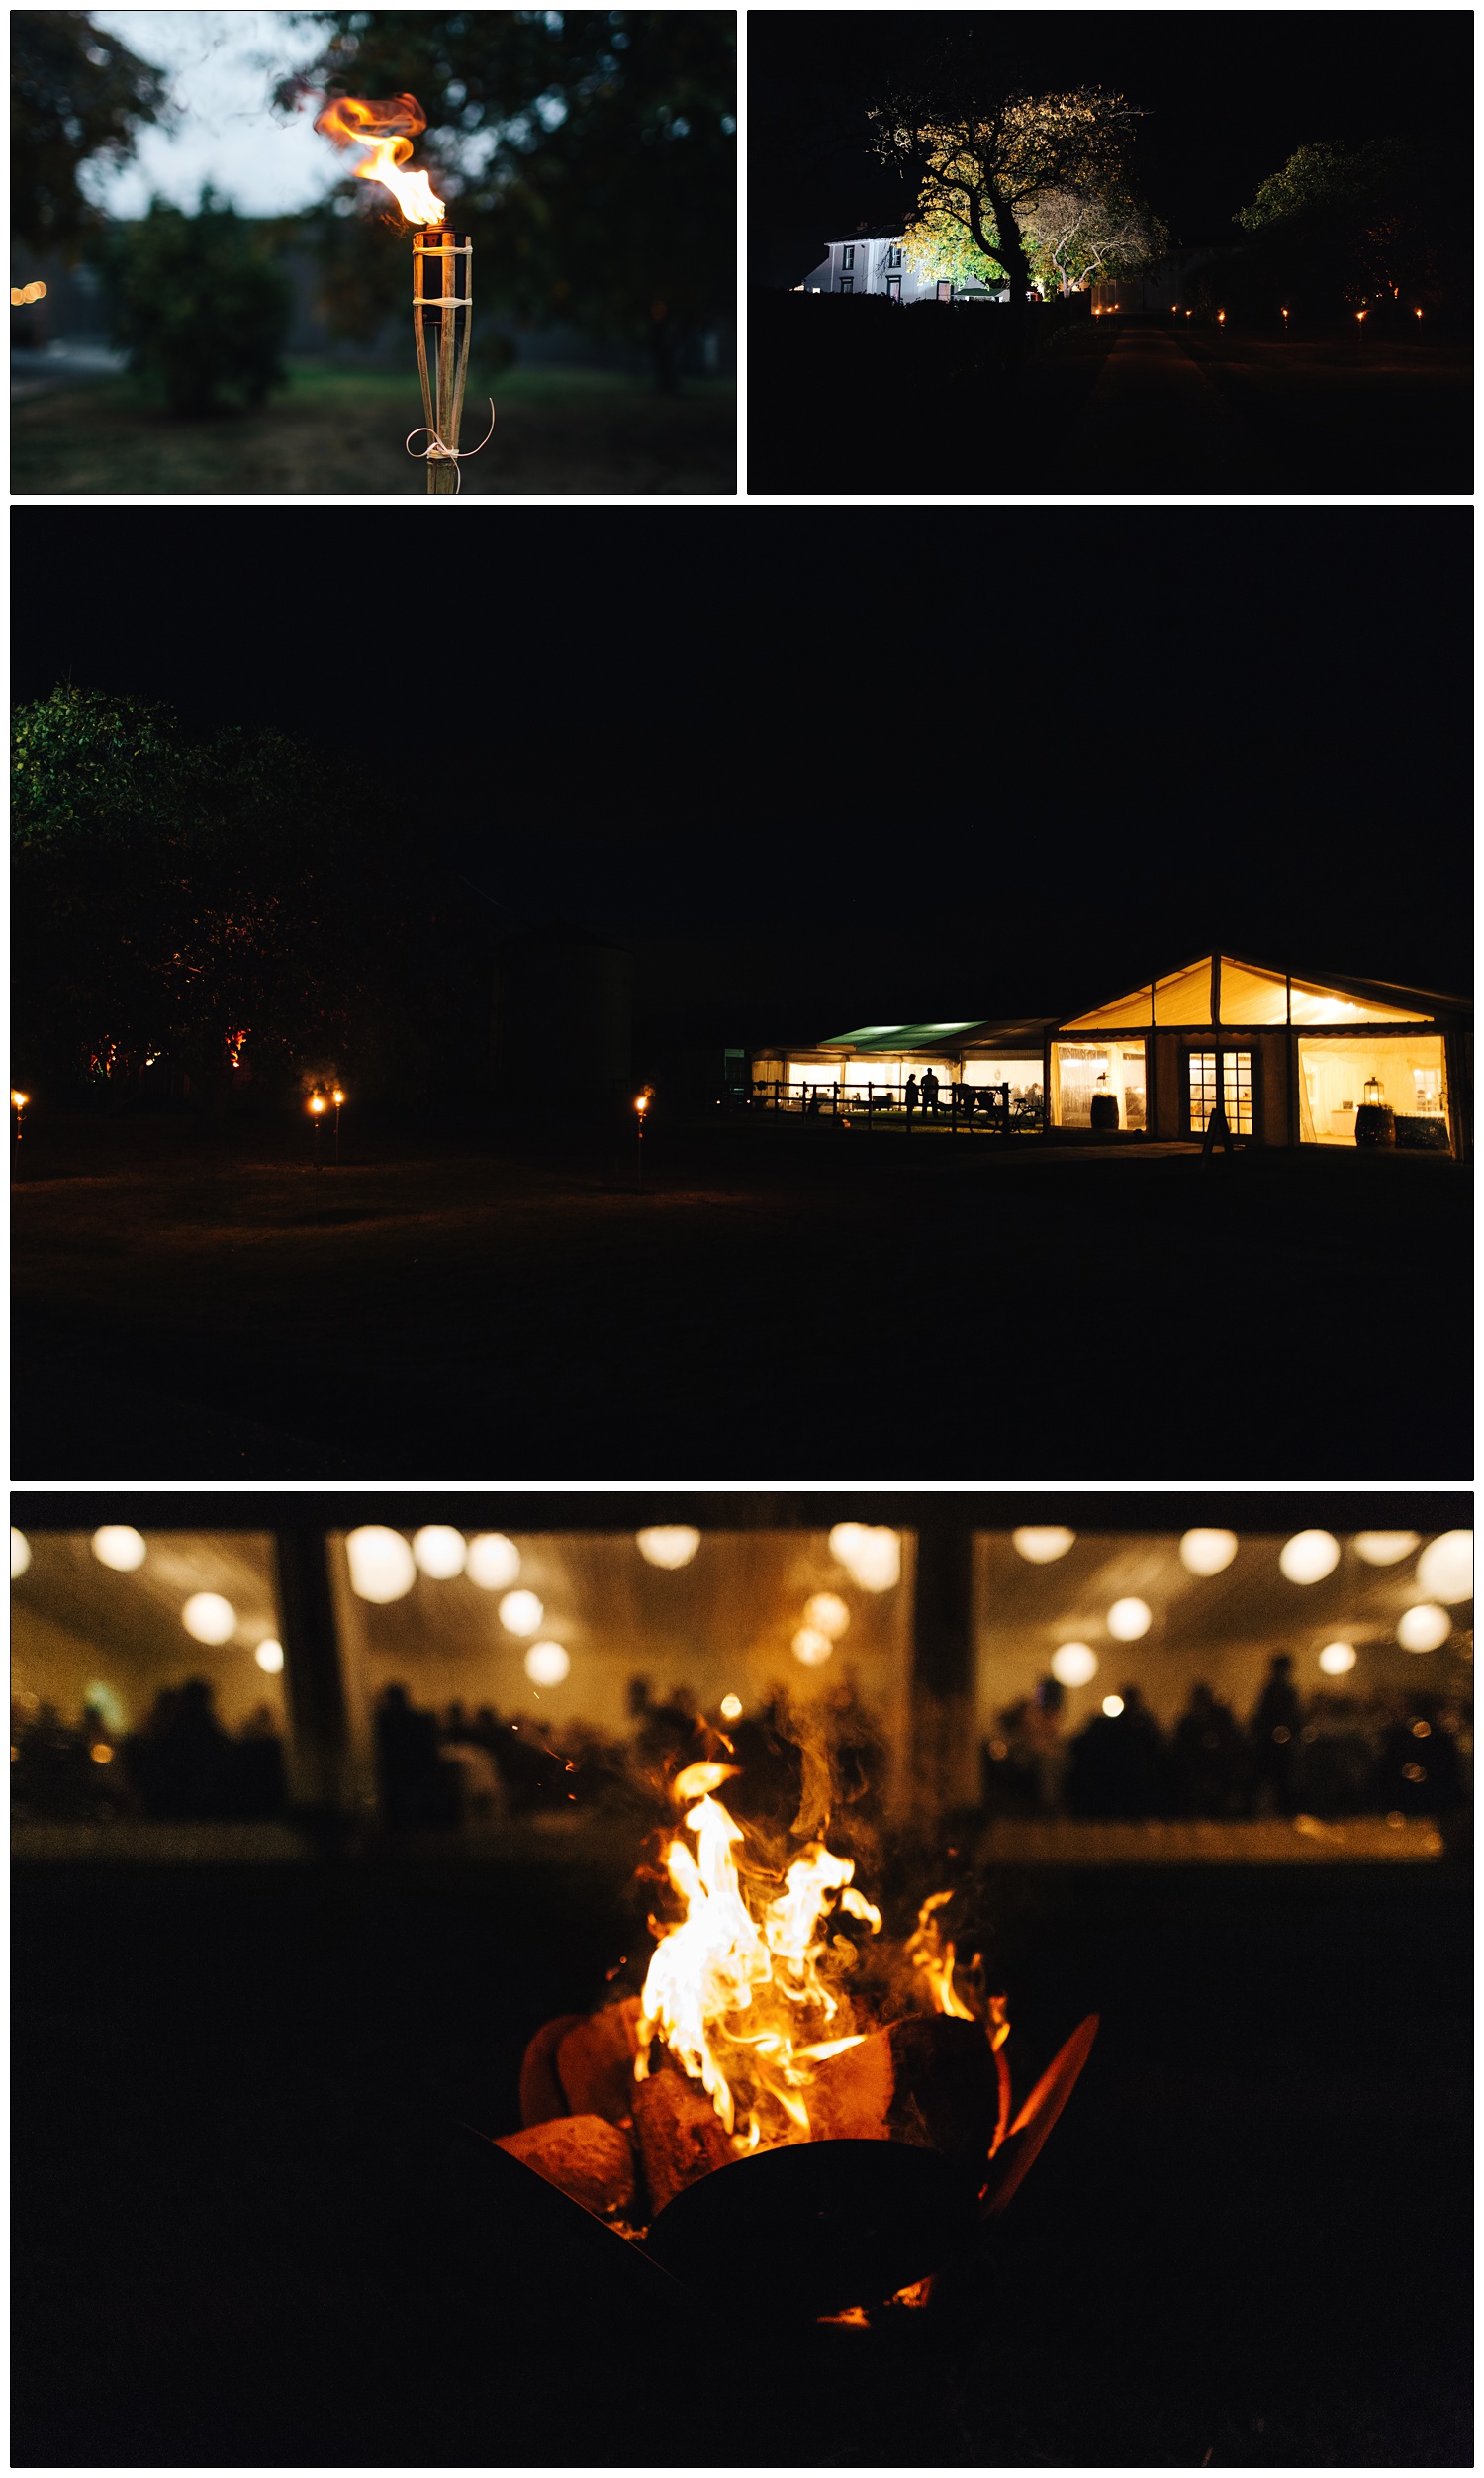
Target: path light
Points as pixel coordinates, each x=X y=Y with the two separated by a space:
x=382 y=1567
x=269 y=1655
x=546 y=1665
x=1074 y=1664
x=811 y=1645
x=869 y=1553
x=440 y=1550
x=210 y=1618
x=1309 y=1557
x=732 y=1707
x=1385 y=1548
x=667 y=1545
x=641 y=1112
x=1207 y=1553
x=828 y=1612
x=1129 y=1619
x=1335 y=1659
x=1285 y=318
x=20 y=1553
x=1040 y=1543
x=492 y=1561
x=520 y=1613
x=120 y=1546
x=1424 y=1627
x=1112 y=1706
x=1221 y=318
x=18 y=1101
x=1446 y=1569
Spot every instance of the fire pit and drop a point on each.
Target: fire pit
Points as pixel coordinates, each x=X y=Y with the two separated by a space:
x=750 y=2122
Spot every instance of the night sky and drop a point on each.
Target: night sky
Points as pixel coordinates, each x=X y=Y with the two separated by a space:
x=857 y=764
x=1228 y=95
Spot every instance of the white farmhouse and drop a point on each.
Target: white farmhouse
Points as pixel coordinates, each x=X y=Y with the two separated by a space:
x=862 y=262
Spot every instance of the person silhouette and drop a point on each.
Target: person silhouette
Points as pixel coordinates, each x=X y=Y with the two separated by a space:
x=929 y=1094
x=909 y=1097
x=1274 y=1733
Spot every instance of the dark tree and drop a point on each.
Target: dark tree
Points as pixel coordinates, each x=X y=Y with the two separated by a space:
x=199 y=304
x=76 y=94
x=1363 y=225
x=593 y=153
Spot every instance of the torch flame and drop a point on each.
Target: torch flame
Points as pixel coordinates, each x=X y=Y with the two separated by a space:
x=387 y=130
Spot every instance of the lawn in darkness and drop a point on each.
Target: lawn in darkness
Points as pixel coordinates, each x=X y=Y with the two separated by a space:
x=248 y=2233
x=781 y=1302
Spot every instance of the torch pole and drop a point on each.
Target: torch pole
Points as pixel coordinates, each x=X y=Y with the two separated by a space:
x=443 y=384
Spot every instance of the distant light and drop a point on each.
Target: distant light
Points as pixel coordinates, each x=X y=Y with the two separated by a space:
x=811 y=1646
x=520 y=1613
x=21 y=297
x=828 y=1612
x=1074 y=1664
x=119 y=1546
x=492 y=1561
x=546 y=1665
x=1129 y=1619
x=869 y=1553
x=382 y=1565
x=440 y=1550
x=316 y=1103
x=209 y=1617
x=1309 y=1557
x=1424 y=1627
x=1385 y=1548
x=102 y=1753
x=732 y=1707
x=20 y=1553
x=1335 y=1659
x=1112 y=1705
x=269 y=1655
x=337 y=1096
x=1040 y=1543
x=98 y=1697
x=668 y=1545
x=1207 y=1553
x=1446 y=1569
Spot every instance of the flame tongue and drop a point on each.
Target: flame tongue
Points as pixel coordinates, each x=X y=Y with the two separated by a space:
x=386 y=131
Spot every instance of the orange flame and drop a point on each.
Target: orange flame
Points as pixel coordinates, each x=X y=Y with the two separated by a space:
x=388 y=131
x=935 y=1958
x=733 y=1981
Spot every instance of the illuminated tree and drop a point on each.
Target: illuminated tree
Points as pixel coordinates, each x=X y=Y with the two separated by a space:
x=1073 y=238
x=76 y=94
x=982 y=169
x=935 y=244
x=1352 y=222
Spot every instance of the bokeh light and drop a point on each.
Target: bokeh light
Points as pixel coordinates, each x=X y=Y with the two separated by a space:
x=1207 y=1553
x=492 y=1561
x=1424 y=1627
x=1112 y=1705
x=546 y=1665
x=269 y=1655
x=1074 y=1664
x=811 y=1646
x=20 y=1553
x=1336 y=1658
x=118 y=1545
x=1446 y=1569
x=668 y=1545
x=382 y=1565
x=210 y=1618
x=440 y=1550
x=1129 y=1619
x=520 y=1613
x=732 y=1707
x=1309 y=1557
x=869 y=1553
x=828 y=1612
x=1040 y=1543
x=1385 y=1548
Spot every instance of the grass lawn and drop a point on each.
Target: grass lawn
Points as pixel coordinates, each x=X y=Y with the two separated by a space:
x=333 y=429
x=781 y=1304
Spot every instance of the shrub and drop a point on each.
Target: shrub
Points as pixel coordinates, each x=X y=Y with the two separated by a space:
x=199 y=304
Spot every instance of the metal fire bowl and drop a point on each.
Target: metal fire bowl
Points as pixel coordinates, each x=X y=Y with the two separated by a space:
x=818 y=2226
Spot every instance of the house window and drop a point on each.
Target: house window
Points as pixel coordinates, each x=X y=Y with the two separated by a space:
x=893 y=257
x=848 y=255
x=893 y=287
x=1235 y=1090
x=847 y=283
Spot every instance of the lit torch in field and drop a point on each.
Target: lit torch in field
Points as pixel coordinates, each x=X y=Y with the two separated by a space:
x=386 y=131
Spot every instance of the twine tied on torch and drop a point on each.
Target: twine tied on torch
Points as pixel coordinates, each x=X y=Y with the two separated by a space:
x=438 y=453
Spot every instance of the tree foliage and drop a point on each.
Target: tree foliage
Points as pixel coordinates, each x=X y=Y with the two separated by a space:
x=1074 y=239
x=76 y=93
x=174 y=891
x=200 y=303
x=1352 y=223
x=981 y=168
x=591 y=153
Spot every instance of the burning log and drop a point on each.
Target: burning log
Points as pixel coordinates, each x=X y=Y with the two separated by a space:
x=679 y=2132
x=589 y=2158
x=596 y=2063
x=930 y=2080
x=541 y=2093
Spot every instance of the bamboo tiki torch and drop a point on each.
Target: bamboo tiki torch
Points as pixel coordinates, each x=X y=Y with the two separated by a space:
x=450 y=260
